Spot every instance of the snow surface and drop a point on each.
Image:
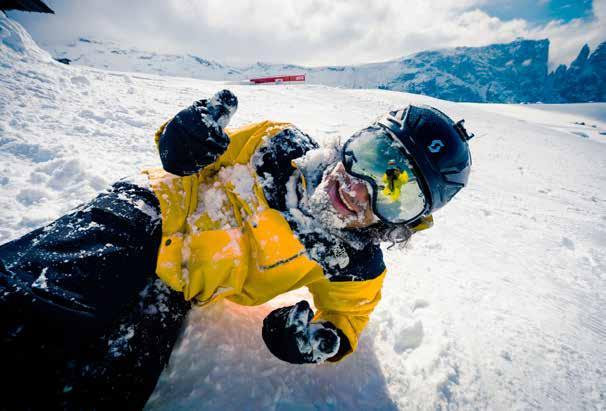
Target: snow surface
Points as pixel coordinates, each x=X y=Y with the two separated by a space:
x=502 y=305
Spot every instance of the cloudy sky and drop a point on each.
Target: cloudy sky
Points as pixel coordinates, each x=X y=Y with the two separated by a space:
x=320 y=32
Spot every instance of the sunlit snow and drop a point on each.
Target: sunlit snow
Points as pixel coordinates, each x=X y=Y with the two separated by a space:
x=502 y=305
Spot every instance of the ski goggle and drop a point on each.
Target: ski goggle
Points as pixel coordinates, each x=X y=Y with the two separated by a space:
x=381 y=160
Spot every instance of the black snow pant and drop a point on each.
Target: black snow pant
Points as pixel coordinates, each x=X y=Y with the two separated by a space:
x=84 y=321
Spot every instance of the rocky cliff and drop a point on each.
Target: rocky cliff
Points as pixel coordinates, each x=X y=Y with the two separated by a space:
x=583 y=81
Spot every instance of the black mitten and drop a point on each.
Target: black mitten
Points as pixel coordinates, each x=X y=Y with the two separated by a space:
x=195 y=137
x=222 y=107
x=290 y=336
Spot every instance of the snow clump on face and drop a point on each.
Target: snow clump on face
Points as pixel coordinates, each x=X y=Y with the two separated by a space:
x=318 y=168
x=315 y=165
x=324 y=212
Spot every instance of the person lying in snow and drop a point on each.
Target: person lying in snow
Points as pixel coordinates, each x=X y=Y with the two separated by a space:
x=92 y=304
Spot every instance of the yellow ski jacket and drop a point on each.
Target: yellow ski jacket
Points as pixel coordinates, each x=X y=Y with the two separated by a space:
x=221 y=239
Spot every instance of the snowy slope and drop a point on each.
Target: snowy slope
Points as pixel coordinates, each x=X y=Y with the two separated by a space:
x=501 y=305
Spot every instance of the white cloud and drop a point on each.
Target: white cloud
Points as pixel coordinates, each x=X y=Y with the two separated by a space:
x=568 y=38
x=313 y=32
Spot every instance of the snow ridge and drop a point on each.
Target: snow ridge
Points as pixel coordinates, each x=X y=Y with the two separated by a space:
x=16 y=42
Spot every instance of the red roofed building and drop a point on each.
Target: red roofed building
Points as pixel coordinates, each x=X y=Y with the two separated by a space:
x=278 y=79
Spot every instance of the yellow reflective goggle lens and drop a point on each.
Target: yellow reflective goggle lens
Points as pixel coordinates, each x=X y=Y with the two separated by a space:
x=393 y=179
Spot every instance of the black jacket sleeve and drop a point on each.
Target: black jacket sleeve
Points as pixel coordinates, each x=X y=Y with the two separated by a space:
x=195 y=138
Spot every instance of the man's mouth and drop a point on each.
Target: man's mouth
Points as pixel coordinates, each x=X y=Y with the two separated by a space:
x=341 y=201
x=347 y=200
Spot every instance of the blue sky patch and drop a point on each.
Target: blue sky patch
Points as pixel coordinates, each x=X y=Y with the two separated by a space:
x=539 y=11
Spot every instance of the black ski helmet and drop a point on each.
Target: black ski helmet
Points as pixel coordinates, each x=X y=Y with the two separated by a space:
x=437 y=147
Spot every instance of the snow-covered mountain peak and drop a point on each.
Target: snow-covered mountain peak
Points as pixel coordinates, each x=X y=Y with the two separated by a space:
x=510 y=72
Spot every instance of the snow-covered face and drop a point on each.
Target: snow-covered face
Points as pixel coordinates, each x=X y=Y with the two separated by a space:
x=343 y=201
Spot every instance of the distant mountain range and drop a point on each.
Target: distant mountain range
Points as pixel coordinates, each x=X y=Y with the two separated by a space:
x=515 y=72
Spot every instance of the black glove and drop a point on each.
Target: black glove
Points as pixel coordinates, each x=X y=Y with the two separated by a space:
x=222 y=107
x=195 y=137
x=291 y=337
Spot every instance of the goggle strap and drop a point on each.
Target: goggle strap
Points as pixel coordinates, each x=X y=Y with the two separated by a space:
x=423 y=223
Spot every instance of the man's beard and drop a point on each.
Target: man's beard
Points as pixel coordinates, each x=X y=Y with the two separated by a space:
x=313 y=207
x=315 y=203
x=325 y=219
